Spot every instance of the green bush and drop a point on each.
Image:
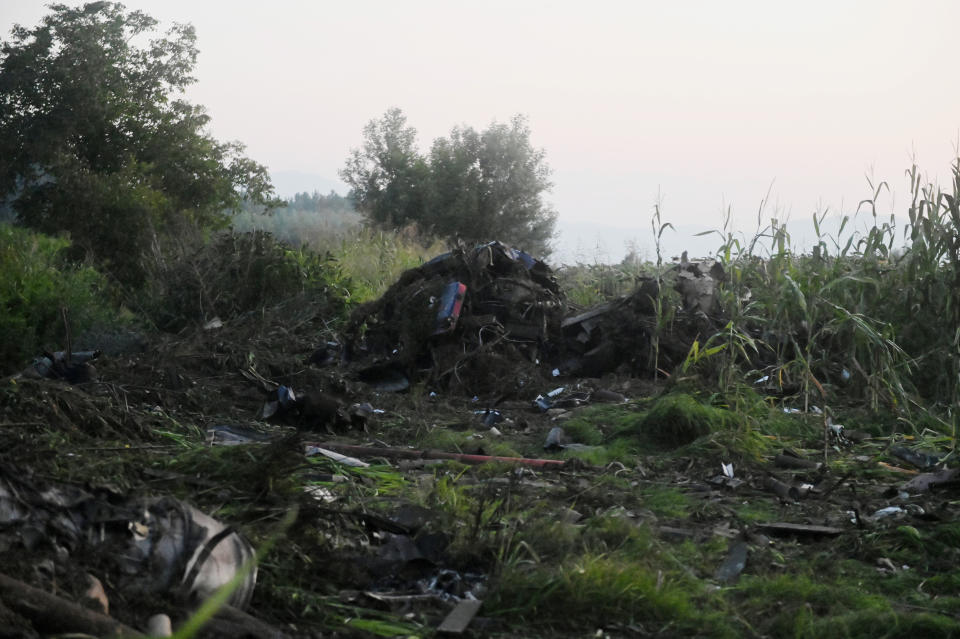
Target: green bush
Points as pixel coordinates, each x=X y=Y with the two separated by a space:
x=36 y=285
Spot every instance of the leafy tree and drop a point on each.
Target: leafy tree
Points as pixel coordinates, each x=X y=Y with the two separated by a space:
x=474 y=186
x=389 y=179
x=95 y=140
x=489 y=185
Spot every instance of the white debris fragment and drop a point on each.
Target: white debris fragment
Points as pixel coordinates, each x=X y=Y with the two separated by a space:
x=337 y=457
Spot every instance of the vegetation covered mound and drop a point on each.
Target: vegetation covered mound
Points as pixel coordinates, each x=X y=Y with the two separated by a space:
x=676 y=420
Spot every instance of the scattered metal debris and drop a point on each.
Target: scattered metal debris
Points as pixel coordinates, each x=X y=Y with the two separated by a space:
x=923 y=461
x=232 y=435
x=72 y=367
x=929 y=481
x=153 y=544
x=337 y=457
x=789 y=459
x=460 y=617
x=736 y=560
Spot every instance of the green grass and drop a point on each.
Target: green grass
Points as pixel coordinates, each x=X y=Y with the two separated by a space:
x=665 y=501
x=800 y=606
x=585 y=429
x=751 y=512
x=678 y=419
x=623 y=450
x=591 y=589
x=373 y=260
x=453 y=441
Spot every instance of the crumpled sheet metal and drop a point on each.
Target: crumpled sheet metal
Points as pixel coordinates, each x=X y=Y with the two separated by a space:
x=153 y=544
x=696 y=283
x=188 y=551
x=72 y=367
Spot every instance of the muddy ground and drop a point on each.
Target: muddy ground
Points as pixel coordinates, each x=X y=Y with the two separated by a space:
x=644 y=529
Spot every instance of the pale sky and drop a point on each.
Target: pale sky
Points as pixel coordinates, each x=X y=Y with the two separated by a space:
x=705 y=103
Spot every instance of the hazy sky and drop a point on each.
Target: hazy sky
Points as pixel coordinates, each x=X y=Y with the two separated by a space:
x=707 y=103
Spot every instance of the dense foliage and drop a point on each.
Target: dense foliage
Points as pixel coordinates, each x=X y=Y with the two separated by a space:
x=95 y=140
x=36 y=290
x=473 y=186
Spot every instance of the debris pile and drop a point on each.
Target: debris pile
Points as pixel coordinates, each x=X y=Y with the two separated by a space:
x=479 y=321
x=489 y=321
x=697 y=282
x=141 y=546
x=610 y=335
x=618 y=335
x=74 y=368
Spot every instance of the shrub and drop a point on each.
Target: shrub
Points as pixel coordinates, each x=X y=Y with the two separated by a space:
x=36 y=288
x=236 y=273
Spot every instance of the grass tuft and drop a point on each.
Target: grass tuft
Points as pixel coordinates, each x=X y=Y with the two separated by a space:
x=678 y=419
